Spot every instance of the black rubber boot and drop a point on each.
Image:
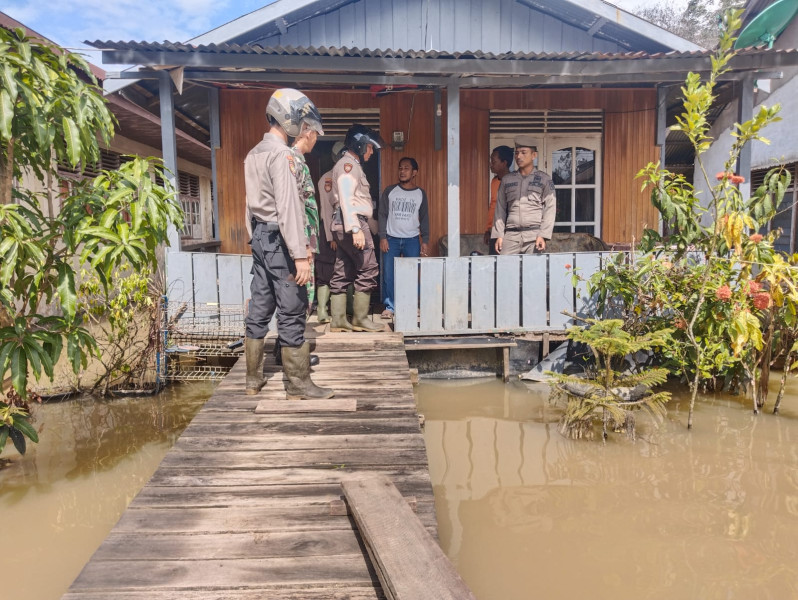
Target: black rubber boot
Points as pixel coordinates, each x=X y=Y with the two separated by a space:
x=296 y=366
x=322 y=298
x=360 y=320
x=253 y=349
x=339 y=321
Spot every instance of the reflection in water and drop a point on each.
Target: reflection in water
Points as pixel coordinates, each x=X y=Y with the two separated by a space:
x=61 y=499
x=526 y=513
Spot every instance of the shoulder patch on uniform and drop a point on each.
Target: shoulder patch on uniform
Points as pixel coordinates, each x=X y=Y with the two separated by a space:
x=328 y=185
x=291 y=164
x=347 y=167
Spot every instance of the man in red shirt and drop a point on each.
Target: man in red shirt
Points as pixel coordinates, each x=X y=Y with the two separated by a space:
x=500 y=160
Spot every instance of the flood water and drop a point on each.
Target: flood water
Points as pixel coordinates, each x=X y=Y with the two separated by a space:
x=523 y=512
x=528 y=514
x=59 y=501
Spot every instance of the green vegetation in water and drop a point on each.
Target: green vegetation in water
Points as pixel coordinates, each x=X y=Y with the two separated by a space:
x=728 y=295
x=606 y=394
x=51 y=113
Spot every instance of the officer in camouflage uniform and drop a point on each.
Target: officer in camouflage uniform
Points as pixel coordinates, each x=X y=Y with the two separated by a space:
x=325 y=259
x=280 y=254
x=526 y=205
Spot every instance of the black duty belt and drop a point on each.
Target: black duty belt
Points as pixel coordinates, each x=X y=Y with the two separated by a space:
x=528 y=228
x=269 y=225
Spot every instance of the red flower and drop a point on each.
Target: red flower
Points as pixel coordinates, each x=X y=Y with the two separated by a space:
x=762 y=300
x=567 y=266
x=755 y=237
x=722 y=175
x=737 y=179
x=752 y=287
x=680 y=323
x=723 y=293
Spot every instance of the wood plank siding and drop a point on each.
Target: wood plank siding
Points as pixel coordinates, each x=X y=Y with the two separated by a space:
x=448 y=26
x=628 y=145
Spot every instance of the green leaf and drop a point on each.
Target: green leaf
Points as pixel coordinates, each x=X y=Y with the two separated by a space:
x=72 y=138
x=18 y=439
x=66 y=290
x=3 y=436
x=19 y=371
x=9 y=82
x=21 y=424
x=6 y=115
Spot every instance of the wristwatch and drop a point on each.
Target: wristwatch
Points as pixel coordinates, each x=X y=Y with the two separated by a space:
x=355 y=229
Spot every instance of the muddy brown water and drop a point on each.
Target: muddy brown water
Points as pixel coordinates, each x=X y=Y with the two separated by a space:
x=523 y=512
x=59 y=501
x=527 y=514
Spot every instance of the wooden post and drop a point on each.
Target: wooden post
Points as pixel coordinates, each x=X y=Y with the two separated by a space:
x=169 y=146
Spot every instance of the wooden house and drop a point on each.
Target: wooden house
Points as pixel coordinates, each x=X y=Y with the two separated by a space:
x=447 y=80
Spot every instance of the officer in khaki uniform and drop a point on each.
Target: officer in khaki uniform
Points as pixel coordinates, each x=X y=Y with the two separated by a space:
x=526 y=204
x=275 y=217
x=355 y=258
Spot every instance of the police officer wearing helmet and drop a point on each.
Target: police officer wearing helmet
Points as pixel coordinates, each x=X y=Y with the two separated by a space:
x=526 y=204
x=280 y=254
x=355 y=259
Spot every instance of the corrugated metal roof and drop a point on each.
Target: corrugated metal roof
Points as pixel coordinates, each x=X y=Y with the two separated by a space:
x=254 y=49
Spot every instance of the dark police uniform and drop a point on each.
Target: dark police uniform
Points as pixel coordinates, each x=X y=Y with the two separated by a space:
x=276 y=223
x=525 y=210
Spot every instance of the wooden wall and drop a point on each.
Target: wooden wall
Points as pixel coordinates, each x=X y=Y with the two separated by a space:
x=630 y=117
x=629 y=130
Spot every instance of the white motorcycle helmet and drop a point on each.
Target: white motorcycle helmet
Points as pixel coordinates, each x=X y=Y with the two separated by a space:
x=291 y=110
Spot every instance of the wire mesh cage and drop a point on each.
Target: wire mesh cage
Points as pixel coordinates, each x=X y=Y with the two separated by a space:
x=199 y=341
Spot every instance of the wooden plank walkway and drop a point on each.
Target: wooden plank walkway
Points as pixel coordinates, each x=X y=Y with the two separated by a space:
x=247 y=505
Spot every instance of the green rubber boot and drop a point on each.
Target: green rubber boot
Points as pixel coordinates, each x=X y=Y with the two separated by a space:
x=253 y=349
x=322 y=298
x=339 y=321
x=361 y=320
x=296 y=366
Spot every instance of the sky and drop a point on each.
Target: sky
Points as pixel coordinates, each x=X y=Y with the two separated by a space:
x=70 y=22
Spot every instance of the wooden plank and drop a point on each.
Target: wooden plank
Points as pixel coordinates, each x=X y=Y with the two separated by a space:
x=505 y=364
x=180 y=277
x=242 y=497
x=451 y=347
x=304 y=406
x=206 y=476
x=206 y=287
x=231 y=281
x=406 y=294
x=534 y=307
x=269 y=459
x=455 y=296
x=561 y=290
x=298 y=442
x=305 y=592
x=508 y=292
x=408 y=561
x=483 y=292
x=272 y=544
x=431 y=294
x=586 y=264
x=118 y=575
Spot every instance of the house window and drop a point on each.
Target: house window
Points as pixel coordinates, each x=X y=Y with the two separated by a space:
x=575 y=176
x=189 y=194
